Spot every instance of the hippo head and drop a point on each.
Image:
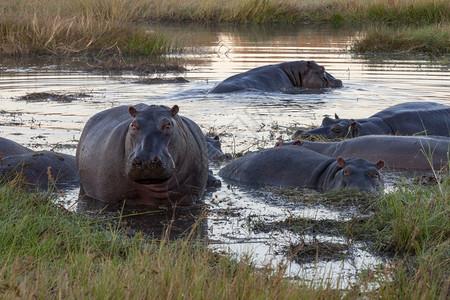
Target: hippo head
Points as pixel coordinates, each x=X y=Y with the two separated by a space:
x=215 y=150
x=148 y=144
x=356 y=173
x=316 y=77
x=333 y=128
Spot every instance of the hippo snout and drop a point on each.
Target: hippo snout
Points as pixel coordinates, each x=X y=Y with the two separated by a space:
x=332 y=82
x=150 y=171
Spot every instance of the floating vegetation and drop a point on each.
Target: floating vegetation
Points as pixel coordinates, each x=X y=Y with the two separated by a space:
x=57 y=97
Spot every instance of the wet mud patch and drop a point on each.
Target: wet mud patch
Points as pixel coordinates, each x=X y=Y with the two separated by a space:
x=57 y=97
x=339 y=199
x=315 y=250
x=115 y=65
x=146 y=222
x=301 y=225
x=161 y=80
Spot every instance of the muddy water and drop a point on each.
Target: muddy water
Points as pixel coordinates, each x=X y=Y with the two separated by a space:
x=245 y=121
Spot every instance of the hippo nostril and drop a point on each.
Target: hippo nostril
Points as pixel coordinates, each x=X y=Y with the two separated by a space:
x=156 y=159
x=137 y=161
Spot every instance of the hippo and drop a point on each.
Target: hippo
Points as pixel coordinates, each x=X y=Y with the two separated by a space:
x=215 y=150
x=41 y=169
x=8 y=147
x=299 y=167
x=398 y=152
x=283 y=77
x=425 y=118
x=144 y=155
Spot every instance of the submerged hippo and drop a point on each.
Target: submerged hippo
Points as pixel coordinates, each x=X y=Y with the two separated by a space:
x=427 y=118
x=41 y=169
x=215 y=150
x=146 y=155
x=282 y=77
x=294 y=166
x=398 y=152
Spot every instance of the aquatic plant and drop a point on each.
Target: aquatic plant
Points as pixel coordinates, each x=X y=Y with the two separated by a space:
x=432 y=39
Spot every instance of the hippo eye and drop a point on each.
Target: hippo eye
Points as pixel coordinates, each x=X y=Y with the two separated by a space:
x=336 y=129
x=166 y=125
x=347 y=172
x=375 y=175
x=134 y=126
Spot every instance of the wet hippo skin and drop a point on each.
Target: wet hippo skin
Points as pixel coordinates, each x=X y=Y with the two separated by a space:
x=424 y=118
x=294 y=166
x=146 y=155
x=41 y=169
x=279 y=78
x=398 y=152
x=9 y=147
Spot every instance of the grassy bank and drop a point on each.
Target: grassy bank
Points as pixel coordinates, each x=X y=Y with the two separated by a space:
x=78 y=28
x=47 y=252
x=108 y=28
x=411 y=225
x=432 y=39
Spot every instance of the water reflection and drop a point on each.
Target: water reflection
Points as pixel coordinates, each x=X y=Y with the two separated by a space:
x=161 y=222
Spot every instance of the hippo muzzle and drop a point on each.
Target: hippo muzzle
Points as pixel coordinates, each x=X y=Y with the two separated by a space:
x=153 y=171
x=331 y=81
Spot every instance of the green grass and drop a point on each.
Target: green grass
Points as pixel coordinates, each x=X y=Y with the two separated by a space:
x=414 y=224
x=47 y=252
x=431 y=39
x=411 y=224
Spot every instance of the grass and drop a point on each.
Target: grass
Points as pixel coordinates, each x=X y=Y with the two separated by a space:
x=431 y=39
x=47 y=252
x=100 y=30
x=411 y=224
x=105 y=29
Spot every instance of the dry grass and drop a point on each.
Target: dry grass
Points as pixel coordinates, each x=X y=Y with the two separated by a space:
x=109 y=28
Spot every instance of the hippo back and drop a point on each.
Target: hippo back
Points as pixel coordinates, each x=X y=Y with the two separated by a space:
x=266 y=78
x=8 y=147
x=417 y=118
x=42 y=169
x=291 y=166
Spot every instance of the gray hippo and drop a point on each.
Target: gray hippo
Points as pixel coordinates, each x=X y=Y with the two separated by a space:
x=215 y=149
x=398 y=152
x=300 y=167
x=8 y=147
x=146 y=155
x=284 y=77
x=426 y=118
x=41 y=169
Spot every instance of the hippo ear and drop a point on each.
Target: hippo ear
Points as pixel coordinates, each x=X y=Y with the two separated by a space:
x=132 y=111
x=310 y=64
x=216 y=137
x=336 y=116
x=353 y=130
x=279 y=144
x=380 y=164
x=175 y=109
x=340 y=161
x=297 y=143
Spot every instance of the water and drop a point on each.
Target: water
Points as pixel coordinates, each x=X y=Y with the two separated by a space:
x=244 y=121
